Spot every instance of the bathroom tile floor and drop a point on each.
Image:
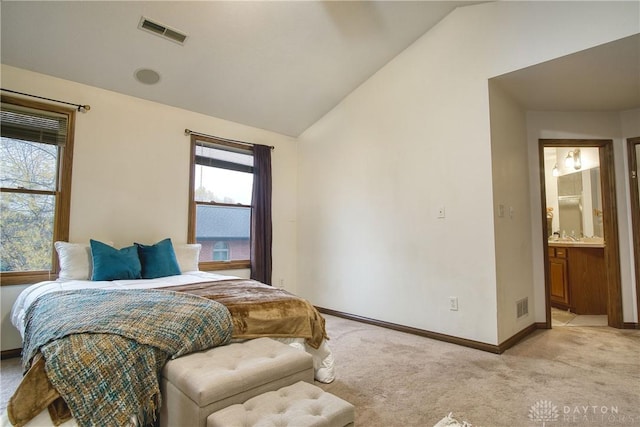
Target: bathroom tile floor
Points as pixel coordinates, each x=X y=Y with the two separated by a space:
x=566 y=318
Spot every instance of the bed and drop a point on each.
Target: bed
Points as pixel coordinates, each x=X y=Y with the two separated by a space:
x=256 y=310
x=200 y=283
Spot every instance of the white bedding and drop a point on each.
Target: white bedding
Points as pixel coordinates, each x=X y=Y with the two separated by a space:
x=322 y=357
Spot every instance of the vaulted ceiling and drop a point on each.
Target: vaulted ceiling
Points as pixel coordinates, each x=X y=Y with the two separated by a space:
x=276 y=65
x=273 y=65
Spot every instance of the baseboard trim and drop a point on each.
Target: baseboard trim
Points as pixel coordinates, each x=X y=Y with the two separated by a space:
x=10 y=354
x=630 y=325
x=415 y=331
x=510 y=342
x=497 y=349
x=542 y=325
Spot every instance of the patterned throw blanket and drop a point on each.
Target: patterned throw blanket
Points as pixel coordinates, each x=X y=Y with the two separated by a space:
x=104 y=349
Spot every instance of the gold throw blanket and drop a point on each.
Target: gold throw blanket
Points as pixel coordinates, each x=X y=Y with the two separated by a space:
x=259 y=310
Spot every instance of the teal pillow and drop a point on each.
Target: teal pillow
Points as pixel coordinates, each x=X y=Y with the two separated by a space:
x=110 y=263
x=158 y=260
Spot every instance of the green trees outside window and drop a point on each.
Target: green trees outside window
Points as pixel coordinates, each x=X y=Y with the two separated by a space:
x=35 y=181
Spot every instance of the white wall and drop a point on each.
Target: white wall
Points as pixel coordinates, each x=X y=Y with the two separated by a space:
x=416 y=136
x=512 y=212
x=131 y=173
x=580 y=125
x=630 y=123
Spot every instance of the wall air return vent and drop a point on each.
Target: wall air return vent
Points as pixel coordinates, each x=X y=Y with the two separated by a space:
x=162 y=30
x=522 y=307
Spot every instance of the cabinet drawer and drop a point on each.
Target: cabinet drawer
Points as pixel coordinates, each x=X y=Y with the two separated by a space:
x=561 y=252
x=552 y=252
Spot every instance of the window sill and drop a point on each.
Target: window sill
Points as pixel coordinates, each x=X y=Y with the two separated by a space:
x=26 y=278
x=224 y=265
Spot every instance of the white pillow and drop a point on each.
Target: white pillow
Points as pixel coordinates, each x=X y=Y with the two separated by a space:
x=187 y=256
x=75 y=260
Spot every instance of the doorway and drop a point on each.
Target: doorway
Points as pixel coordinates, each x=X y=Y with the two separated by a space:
x=581 y=250
x=633 y=145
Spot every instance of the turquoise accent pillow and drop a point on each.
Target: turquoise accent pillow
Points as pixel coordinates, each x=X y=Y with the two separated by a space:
x=110 y=263
x=158 y=260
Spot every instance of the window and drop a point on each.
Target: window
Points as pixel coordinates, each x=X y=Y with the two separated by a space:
x=220 y=202
x=35 y=183
x=221 y=251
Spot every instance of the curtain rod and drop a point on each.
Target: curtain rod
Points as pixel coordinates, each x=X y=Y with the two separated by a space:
x=82 y=108
x=190 y=132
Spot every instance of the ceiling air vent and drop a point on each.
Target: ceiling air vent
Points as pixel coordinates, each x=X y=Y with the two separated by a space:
x=162 y=30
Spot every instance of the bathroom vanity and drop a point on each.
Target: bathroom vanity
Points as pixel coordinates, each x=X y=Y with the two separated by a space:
x=578 y=276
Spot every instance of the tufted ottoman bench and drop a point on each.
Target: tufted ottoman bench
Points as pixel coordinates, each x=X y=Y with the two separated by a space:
x=198 y=384
x=298 y=405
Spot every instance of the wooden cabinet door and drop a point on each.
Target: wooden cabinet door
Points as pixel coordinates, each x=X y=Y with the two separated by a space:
x=559 y=282
x=588 y=287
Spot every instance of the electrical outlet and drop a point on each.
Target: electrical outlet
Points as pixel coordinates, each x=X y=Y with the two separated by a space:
x=281 y=283
x=453 y=303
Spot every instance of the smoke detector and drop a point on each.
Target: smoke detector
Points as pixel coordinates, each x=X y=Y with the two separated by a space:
x=162 y=30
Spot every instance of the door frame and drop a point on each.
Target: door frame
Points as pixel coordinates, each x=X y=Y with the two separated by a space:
x=635 y=212
x=610 y=224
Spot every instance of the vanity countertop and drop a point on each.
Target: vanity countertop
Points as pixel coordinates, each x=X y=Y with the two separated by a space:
x=583 y=243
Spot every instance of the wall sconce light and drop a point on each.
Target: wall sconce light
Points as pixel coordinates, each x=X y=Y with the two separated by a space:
x=573 y=159
x=555 y=171
x=577 y=159
x=568 y=161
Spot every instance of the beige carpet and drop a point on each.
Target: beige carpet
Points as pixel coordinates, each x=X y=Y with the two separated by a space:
x=397 y=379
x=563 y=376
x=10 y=375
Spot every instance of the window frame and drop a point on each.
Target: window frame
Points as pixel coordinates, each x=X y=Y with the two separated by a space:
x=62 y=195
x=191 y=229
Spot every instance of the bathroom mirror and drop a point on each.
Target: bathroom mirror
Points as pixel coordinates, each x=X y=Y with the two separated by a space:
x=574 y=195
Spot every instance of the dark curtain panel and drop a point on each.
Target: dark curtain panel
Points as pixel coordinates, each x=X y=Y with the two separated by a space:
x=261 y=215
